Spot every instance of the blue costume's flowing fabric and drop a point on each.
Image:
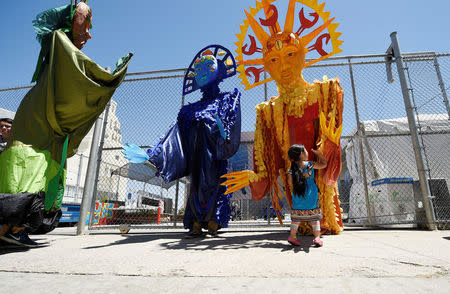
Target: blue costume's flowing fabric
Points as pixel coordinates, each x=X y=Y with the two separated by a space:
x=206 y=134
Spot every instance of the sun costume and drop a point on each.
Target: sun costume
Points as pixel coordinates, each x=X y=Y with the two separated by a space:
x=303 y=113
x=53 y=118
x=205 y=135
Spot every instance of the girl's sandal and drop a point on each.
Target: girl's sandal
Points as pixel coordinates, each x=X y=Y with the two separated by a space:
x=318 y=242
x=293 y=241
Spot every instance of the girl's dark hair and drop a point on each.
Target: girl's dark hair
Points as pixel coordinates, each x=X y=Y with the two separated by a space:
x=298 y=180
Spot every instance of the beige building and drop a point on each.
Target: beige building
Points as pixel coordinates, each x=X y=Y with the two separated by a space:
x=110 y=186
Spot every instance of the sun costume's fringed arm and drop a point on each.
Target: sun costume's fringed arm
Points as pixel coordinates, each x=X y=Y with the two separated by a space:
x=330 y=116
x=259 y=166
x=259 y=183
x=268 y=155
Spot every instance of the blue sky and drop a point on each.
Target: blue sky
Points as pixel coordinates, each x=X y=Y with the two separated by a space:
x=166 y=34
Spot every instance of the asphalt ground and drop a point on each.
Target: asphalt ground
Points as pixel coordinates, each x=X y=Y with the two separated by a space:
x=238 y=260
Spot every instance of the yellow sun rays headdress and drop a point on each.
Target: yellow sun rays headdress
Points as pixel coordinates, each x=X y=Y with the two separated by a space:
x=309 y=30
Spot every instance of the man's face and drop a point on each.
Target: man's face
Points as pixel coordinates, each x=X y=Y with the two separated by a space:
x=80 y=25
x=5 y=128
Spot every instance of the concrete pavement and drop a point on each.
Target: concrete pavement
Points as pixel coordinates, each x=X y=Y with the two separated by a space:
x=237 y=261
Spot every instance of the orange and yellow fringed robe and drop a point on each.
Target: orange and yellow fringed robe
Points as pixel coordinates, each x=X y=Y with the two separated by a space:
x=299 y=117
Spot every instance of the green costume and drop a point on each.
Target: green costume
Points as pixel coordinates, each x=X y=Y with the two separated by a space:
x=71 y=92
x=54 y=117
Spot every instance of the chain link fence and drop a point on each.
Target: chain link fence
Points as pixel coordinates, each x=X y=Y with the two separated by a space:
x=429 y=78
x=379 y=183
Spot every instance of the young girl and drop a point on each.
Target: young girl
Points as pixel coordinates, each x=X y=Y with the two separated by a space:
x=305 y=198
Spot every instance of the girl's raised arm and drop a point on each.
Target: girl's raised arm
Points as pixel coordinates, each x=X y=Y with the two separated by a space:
x=321 y=162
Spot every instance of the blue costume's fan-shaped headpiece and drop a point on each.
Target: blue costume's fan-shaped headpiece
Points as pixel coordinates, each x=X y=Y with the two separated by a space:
x=225 y=61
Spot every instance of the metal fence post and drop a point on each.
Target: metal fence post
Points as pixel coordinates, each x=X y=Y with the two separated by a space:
x=270 y=190
x=175 y=213
x=177 y=187
x=77 y=188
x=118 y=184
x=441 y=85
x=424 y=185
x=99 y=161
x=360 y=133
x=90 y=179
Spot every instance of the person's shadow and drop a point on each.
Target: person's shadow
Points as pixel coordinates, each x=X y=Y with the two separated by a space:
x=223 y=241
x=8 y=248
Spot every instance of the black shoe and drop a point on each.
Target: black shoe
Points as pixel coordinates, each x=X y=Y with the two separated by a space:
x=192 y=235
x=21 y=238
x=212 y=228
x=213 y=233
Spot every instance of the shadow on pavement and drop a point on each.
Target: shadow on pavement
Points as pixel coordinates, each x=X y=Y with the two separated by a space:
x=224 y=241
x=7 y=248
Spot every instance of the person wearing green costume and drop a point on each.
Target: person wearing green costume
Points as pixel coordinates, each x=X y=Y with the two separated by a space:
x=70 y=93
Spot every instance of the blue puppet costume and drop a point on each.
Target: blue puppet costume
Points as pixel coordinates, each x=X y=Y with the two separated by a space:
x=205 y=136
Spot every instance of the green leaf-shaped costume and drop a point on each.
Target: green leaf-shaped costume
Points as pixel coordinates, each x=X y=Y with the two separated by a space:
x=54 y=117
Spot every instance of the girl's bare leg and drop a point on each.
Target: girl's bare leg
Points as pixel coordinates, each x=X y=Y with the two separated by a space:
x=293 y=234
x=294 y=228
x=315 y=225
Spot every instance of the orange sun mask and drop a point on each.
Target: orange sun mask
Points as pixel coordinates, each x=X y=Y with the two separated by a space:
x=283 y=51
